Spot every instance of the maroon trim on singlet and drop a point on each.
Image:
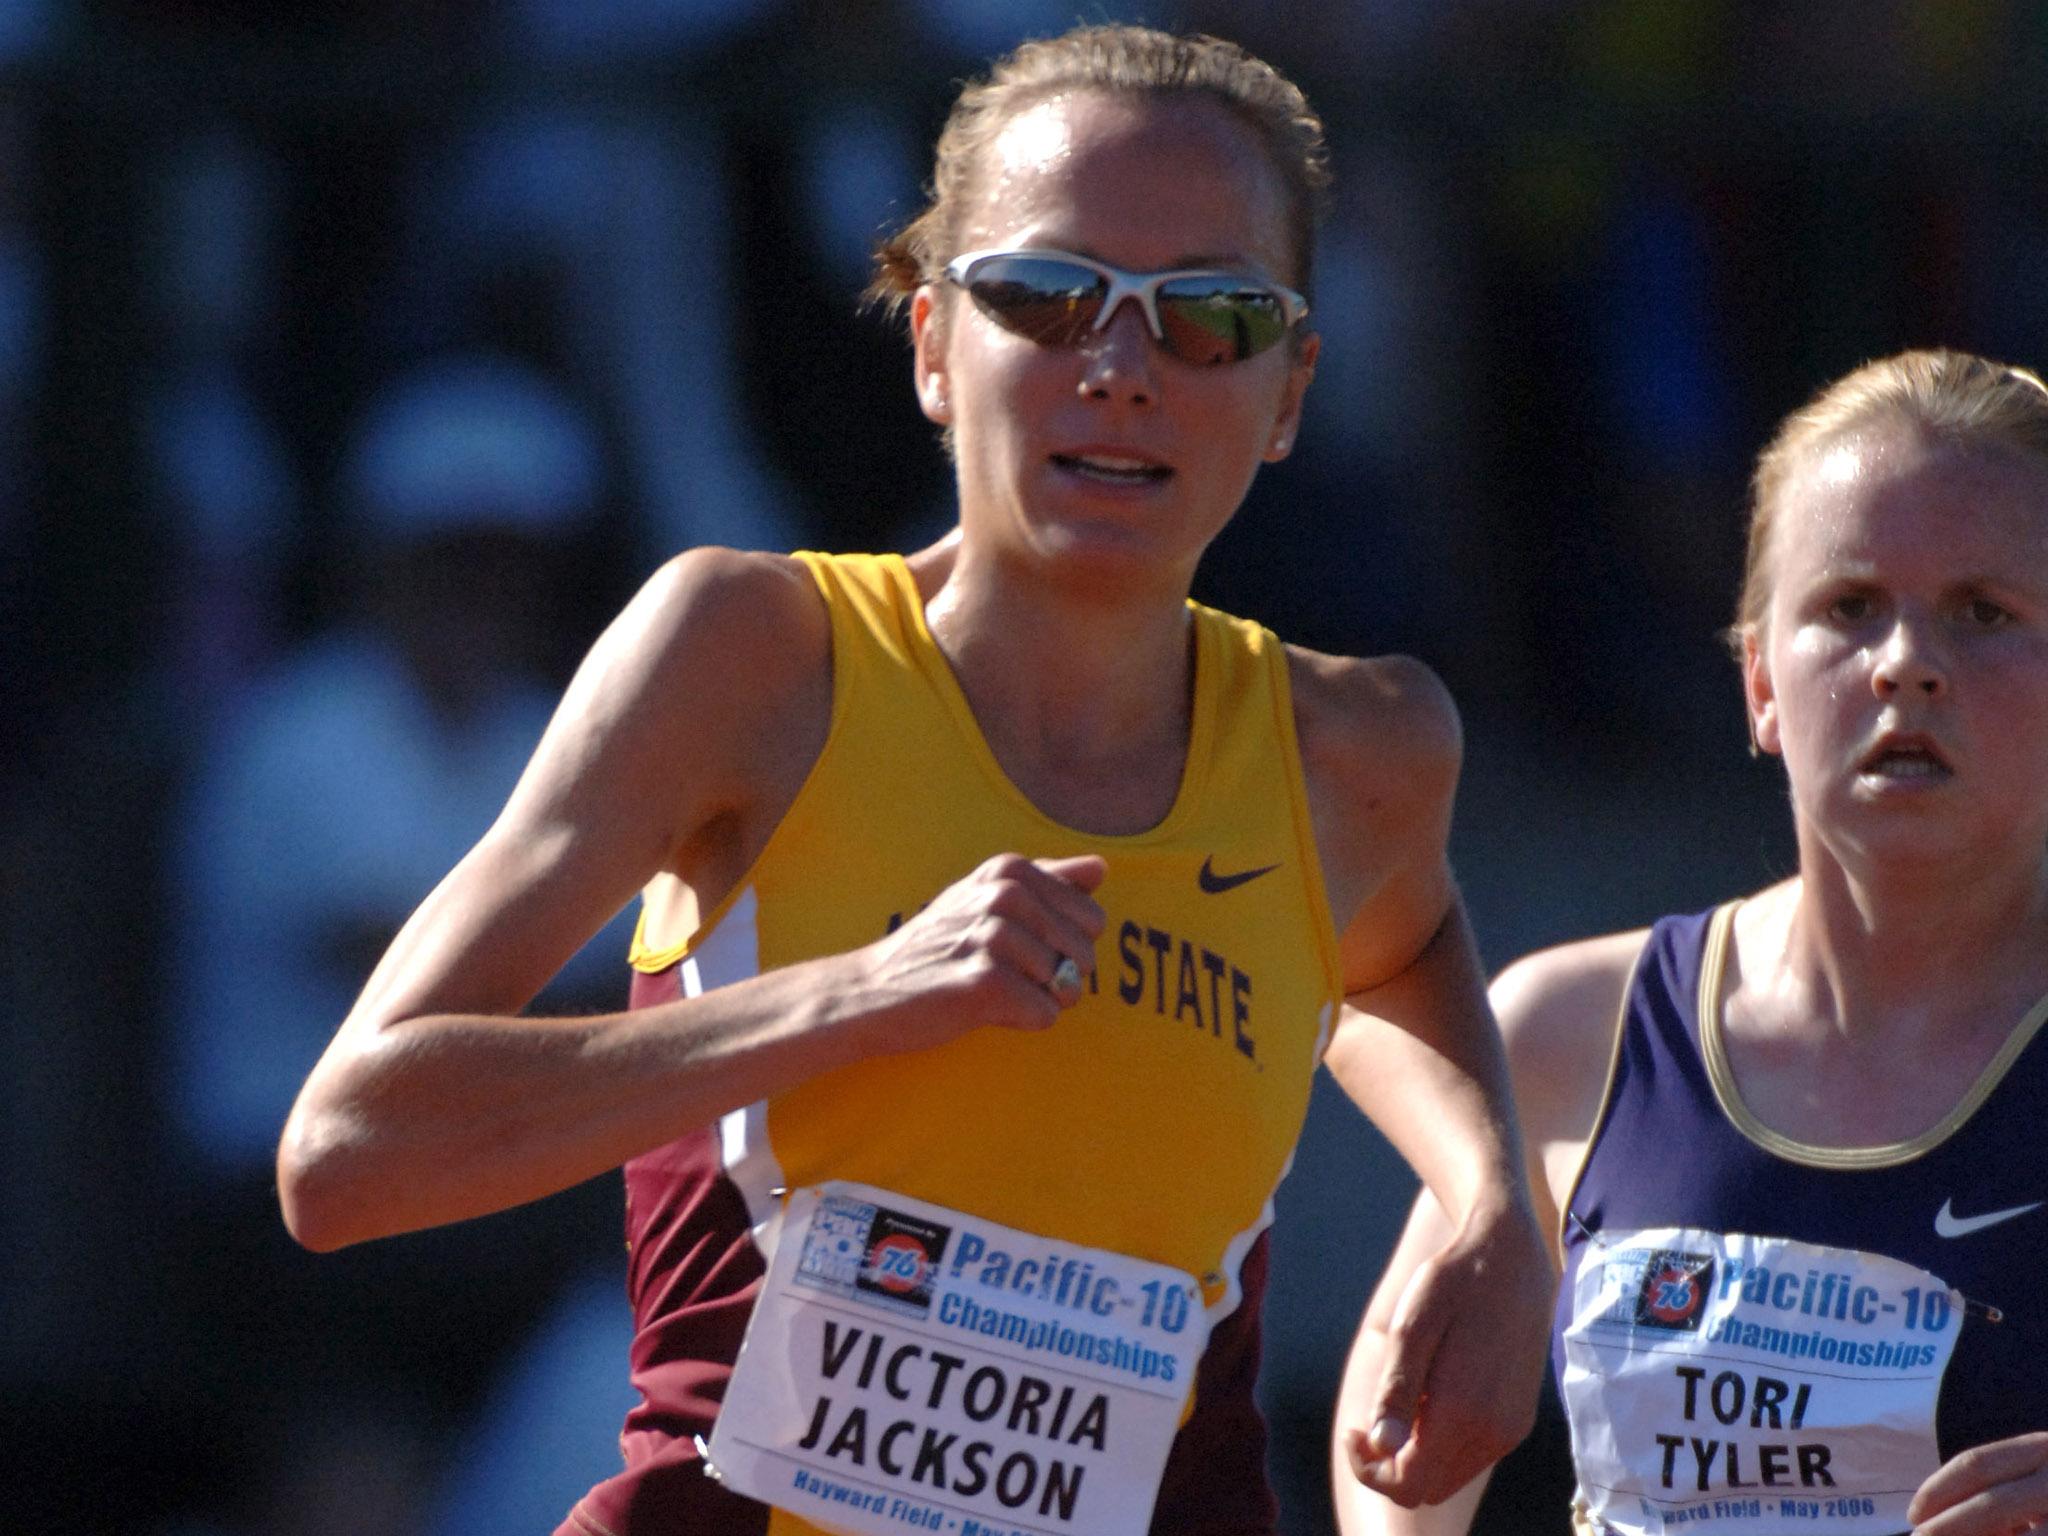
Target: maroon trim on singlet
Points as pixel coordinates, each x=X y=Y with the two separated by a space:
x=1215 y=1479
x=693 y=1273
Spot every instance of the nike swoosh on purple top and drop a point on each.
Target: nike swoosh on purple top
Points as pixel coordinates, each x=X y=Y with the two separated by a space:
x=1948 y=1224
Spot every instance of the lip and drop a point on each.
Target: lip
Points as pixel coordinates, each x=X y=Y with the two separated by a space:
x=1114 y=466
x=1870 y=765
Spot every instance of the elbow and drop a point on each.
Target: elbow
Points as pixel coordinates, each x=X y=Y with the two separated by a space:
x=309 y=1225
x=315 y=1189
x=306 y=1228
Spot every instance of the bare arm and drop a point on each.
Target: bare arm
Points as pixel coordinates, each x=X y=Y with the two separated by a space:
x=1415 y=1045
x=1361 y=1511
x=678 y=746
x=1416 y=1048
x=1557 y=1013
x=1465 y=1341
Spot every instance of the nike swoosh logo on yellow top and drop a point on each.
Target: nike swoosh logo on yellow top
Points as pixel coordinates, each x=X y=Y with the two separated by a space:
x=1948 y=1224
x=1216 y=884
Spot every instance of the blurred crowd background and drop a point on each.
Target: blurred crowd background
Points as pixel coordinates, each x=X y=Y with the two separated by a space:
x=358 y=358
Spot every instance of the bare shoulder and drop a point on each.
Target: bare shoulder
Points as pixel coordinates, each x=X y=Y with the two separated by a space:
x=1558 y=1010
x=737 y=607
x=704 y=699
x=1374 y=723
x=716 y=633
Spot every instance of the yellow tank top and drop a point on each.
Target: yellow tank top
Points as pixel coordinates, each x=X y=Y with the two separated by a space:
x=1156 y=1116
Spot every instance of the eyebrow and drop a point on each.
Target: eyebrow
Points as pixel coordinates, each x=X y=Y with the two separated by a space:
x=1864 y=573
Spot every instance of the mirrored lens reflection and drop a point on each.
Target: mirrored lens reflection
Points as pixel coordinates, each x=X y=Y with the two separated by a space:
x=1202 y=318
x=1208 y=323
x=1053 y=303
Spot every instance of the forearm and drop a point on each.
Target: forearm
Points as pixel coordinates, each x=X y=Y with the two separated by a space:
x=436 y=1102
x=1442 y=1377
x=1362 y=1510
x=443 y=1117
x=1421 y=1055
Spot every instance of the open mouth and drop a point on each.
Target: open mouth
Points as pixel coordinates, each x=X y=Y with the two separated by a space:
x=1113 y=469
x=1905 y=760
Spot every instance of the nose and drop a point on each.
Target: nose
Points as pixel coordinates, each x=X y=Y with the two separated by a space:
x=1117 y=360
x=1908 y=661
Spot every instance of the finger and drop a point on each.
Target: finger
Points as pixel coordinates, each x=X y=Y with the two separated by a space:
x=1979 y=1468
x=1994 y=1512
x=1066 y=885
x=1083 y=871
x=1402 y=1475
x=1066 y=983
x=1980 y=1471
x=1063 y=885
x=1049 y=969
x=1359 y=1452
x=1065 y=921
x=1412 y=1340
x=1370 y=1453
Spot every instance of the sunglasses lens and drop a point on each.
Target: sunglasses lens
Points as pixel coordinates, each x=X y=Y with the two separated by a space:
x=1216 y=319
x=1205 y=318
x=1051 y=302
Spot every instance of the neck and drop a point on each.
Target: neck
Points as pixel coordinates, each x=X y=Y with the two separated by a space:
x=1873 y=953
x=1083 y=691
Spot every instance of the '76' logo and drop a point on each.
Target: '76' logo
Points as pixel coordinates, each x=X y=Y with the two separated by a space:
x=1675 y=1290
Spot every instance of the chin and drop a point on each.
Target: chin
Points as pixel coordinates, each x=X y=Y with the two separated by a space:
x=1118 y=547
x=1901 y=845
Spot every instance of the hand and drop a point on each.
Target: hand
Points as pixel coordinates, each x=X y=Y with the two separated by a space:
x=1466 y=1351
x=988 y=950
x=1988 y=1490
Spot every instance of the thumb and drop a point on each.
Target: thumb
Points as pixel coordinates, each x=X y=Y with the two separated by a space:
x=1083 y=871
x=1391 y=1426
x=1411 y=1343
x=1364 y=1453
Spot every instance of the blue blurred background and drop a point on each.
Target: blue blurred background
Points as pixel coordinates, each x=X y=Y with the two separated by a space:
x=355 y=366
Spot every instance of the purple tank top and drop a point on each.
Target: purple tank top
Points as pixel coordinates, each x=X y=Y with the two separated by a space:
x=1666 y=1154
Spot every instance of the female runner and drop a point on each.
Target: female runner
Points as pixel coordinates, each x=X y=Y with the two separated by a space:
x=1802 y=1184
x=998 y=906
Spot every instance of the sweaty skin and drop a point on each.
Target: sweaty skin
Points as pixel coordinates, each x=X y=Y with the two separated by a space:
x=1060 y=606
x=1901 y=670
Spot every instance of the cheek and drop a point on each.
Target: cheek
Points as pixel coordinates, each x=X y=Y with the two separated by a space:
x=1815 y=693
x=995 y=383
x=2011 y=706
x=1238 y=409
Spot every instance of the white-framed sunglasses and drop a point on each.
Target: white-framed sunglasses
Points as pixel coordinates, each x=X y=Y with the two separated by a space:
x=1198 y=315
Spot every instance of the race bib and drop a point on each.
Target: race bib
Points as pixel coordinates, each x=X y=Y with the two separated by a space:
x=910 y=1367
x=1752 y=1384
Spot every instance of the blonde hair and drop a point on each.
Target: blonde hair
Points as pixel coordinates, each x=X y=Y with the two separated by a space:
x=1955 y=396
x=1115 y=59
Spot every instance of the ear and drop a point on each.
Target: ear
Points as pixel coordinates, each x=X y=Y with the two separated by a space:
x=1761 y=695
x=1287 y=425
x=928 y=352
